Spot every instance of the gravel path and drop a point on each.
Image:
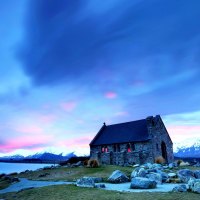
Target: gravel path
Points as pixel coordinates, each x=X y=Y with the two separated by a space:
x=123 y=187
x=25 y=184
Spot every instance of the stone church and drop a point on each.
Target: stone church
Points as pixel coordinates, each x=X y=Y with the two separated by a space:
x=132 y=142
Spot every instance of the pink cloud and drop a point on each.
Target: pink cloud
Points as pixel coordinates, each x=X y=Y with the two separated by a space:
x=33 y=129
x=110 y=95
x=180 y=132
x=68 y=106
x=26 y=142
x=78 y=142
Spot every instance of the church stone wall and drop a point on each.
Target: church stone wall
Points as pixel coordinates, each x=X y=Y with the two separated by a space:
x=143 y=152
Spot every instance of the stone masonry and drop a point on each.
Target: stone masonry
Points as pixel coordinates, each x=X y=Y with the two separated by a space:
x=158 y=144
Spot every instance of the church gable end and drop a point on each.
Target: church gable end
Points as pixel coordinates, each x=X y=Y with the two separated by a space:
x=132 y=142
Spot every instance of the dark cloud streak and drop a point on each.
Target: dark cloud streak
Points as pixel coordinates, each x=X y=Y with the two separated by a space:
x=65 y=41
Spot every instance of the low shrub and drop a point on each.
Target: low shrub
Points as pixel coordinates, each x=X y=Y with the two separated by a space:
x=93 y=163
x=85 y=162
x=179 y=162
x=159 y=160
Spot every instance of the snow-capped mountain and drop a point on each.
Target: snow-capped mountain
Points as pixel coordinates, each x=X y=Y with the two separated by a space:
x=51 y=156
x=16 y=157
x=187 y=148
x=40 y=156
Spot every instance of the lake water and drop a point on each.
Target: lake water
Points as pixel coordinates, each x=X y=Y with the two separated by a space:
x=19 y=167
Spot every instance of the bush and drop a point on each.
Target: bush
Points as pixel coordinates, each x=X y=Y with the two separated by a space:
x=93 y=163
x=74 y=160
x=85 y=162
x=159 y=160
x=179 y=162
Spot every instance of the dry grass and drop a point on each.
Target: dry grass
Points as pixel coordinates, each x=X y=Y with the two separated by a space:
x=93 y=163
x=159 y=160
x=70 y=192
x=179 y=162
x=72 y=174
x=4 y=184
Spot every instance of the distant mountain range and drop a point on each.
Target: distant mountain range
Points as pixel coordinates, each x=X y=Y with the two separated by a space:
x=43 y=157
x=184 y=149
x=188 y=148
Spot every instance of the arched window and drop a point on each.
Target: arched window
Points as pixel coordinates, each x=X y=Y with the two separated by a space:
x=128 y=147
x=104 y=149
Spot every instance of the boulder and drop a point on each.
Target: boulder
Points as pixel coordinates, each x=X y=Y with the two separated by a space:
x=136 y=165
x=118 y=177
x=96 y=179
x=185 y=175
x=171 y=165
x=194 y=185
x=184 y=164
x=197 y=164
x=85 y=182
x=100 y=186
x=180 y=188
x=197 y=174
x=157 y=177
x=138 y=172
x=165 y=167
x=173 y=180
x=172 y=175
x=157 y=166
x=164 y=176
x=152 y=170
x=78 y=164
x=147 y=166
x=142 y=183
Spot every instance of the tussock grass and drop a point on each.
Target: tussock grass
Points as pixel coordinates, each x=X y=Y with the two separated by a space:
x=4 y=184
x=70 y=192
x=72 y=174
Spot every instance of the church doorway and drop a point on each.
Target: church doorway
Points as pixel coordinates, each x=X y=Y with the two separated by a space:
x=164 y=151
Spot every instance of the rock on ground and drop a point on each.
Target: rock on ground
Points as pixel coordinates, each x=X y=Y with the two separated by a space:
x=118 y=177
x=180 y=188
x=172 y=175
x=138 y=172
x=194 y=185
x=85 y=182
x=142 y=183
x=155 y=177
x=197 y=174
x=185 y=175
x=96 y=179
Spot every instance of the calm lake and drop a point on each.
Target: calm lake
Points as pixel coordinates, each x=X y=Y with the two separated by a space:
x=19 y=167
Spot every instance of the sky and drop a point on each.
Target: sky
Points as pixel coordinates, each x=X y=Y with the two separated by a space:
x=67 y=66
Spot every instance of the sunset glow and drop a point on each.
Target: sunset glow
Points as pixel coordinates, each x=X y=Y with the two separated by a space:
x=69 y=66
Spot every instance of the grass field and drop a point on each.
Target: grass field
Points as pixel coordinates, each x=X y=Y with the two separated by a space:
x=4 y=184
x=70 y=192
x=72 y=174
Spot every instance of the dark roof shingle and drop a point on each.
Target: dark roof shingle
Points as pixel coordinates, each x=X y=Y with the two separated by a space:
x=134 y=131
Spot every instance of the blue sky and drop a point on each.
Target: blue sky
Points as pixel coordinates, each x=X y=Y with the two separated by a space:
x=68 y=66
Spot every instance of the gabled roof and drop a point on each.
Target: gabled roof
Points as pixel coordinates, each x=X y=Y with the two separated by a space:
x=135 y=131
